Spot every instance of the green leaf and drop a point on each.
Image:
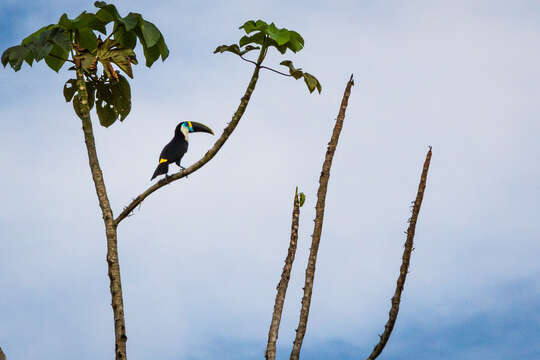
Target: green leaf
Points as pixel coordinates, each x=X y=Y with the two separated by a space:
x=163 y=49
x=250 y=26
x=126 y=39
x=131 y=21
x=302 y=199
x=86 y=20
x=245 y=40
x=91 y=21
x=65 y=22
x=29 y=58
x=5 y=57
x=248 y=49
x=55 y=62
x=151 y=55
x=70 y=88
x=258 y=38
x=107 y=12
x=104 y=16
x=151 y=33
x=105 y=105
x=121 y=94
x=281 y=48
x=15 y=55
x=312 y=83
x=230 y=48
x=90 y=89
x=40 y=45
x=281 y=36
x=61 y=38
x=35 y=34
x=296 y=73
x=296 y=42
x=87 y=39
x=107 y=115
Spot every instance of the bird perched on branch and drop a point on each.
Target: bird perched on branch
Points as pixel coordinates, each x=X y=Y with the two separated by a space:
x=178 y=146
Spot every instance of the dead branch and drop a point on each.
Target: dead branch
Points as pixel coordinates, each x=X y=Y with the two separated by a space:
x=319 y=215
x=396 y=299
x=284 y=282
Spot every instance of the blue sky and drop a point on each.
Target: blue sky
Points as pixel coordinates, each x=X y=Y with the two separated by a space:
x=200 y=260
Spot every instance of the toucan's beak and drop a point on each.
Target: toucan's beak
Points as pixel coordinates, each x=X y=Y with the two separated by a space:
x=198 y=127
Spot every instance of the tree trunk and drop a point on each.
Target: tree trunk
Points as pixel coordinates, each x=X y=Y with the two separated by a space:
x=108 y=219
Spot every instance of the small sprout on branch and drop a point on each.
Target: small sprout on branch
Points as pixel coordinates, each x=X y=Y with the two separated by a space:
x=302 y=199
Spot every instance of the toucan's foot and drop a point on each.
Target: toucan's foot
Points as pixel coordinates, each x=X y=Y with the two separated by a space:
x=167 y=177
x=181 y=167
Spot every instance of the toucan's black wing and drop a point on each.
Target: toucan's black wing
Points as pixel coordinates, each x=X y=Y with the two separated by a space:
x=171 y=153
x=174 y=150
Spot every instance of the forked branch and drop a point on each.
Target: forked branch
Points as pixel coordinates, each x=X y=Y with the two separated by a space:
x=319 y=215
x=404 y=265
x=209 y=154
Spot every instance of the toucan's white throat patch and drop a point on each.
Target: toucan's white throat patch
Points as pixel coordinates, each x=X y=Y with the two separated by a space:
x=185 y=131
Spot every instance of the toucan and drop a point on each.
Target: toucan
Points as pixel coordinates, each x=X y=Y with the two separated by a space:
x=178 y=146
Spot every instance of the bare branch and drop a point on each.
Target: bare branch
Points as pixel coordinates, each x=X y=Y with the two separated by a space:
x=209 y=154
x=249 y=61
x=404 y=265
x=319 y=215
x=284 y=282
x=2 y=355
x=276 y=71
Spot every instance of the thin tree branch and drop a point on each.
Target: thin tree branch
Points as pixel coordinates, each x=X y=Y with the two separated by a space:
x=2 y=355
x=249 y=61
x=404 y=265
x=284 y=282
x=319 y=215
x=264 y=67
x=209 y=154
x=276 y=71
x=108 y=218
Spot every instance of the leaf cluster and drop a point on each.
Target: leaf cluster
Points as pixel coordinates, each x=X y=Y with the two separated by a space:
x=270 y=35
x=311 y=81
x=81 y=38
x=260 y=36
x=54 y=42
x=112 y=98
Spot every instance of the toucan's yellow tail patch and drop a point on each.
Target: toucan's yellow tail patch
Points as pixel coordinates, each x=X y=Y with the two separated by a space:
x=161 y=161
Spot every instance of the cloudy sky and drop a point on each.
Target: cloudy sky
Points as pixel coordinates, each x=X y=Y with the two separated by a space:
x=201 y=258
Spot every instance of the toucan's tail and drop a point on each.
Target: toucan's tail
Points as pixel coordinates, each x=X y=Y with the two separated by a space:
x=161 y=169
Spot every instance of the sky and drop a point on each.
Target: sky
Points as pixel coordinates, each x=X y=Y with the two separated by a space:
x=201 y=258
